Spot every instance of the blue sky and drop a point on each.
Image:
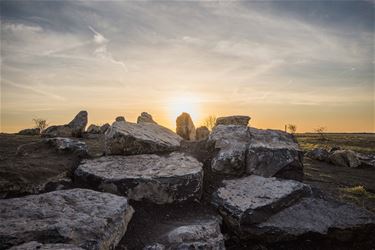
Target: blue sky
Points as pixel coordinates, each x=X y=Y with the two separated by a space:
x=305 y=62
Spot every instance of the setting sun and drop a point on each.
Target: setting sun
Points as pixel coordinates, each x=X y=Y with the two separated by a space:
x=189 y=104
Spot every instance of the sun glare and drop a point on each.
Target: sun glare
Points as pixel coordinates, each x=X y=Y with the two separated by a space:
x=188 y=104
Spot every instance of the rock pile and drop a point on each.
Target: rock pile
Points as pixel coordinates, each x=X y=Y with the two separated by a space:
x=245 y=178
x=74 y=128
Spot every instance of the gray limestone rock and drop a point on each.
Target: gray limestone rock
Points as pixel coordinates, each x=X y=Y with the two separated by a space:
x=242 y=120
x=125 y=138
x=85 y=218
x=160 y=179
x=345 y=158
x=254 y=199
x=145 y=117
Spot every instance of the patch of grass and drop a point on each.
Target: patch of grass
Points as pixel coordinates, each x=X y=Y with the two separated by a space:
x=358 y=191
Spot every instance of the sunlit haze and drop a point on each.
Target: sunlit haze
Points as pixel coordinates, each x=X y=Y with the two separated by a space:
x=309 y=63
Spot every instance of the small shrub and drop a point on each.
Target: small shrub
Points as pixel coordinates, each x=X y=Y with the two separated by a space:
x=210 y=122
x=292 y=128
x=40 y=123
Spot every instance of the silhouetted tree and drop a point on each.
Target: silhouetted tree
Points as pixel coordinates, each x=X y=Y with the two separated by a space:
x=210 y=122
x=292 y=128
x=320 y=131
x=40 y=123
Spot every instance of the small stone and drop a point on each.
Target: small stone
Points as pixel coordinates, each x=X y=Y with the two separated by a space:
x=93 y=129
x=30 y=131
x=319 y=154
x=345 y=158
x=145 y=117
x=202 y=133
x=104 y=128
x=120 y=119
x=242 y=120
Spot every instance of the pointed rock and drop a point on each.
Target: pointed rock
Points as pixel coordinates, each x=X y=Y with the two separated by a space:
x=185 y=127
x=145 y=117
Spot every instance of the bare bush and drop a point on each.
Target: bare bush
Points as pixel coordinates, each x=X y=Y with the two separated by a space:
x=292 y=128
x=210 y=122
x=321 y=132
x=40 y=123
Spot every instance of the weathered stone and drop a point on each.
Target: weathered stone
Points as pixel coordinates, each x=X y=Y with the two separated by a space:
x=40 y=166
x=74 y=128
x=145 y=117
x=317 y=220
x=145 y=138
x=204 y=233
x=202 y=133
x=120 y=119
x=104 y=128
x=93 y=129
x=254 y=199
x=345 y=158
x=30 y=131
x=34 y=245
x=274 y=153
x=86 y=218
x=57 y=131
x=320 y=154
x=159 y=179
x=78 y=124
x=185 y=127
x=233 y=120
x=230 y=142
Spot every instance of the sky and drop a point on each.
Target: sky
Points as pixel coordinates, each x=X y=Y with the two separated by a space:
x=308 y=63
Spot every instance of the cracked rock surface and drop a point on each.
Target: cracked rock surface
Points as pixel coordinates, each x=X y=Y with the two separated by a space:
x=159 y=179
x=81 y=217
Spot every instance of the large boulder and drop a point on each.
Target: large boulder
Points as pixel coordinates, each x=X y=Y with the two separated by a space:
x=145 y=117
x=160 y=179
x=230 y=143
x=74 y=128
x=40 y=166
x=274 y=153
x=34 y=245
x=318 y=223
x=204 y=234
x=94 y=129
x=185 y=127
x=202 y=133
x=30 y=131
x=319 y=154
x=345 y=158
x=85 y=218
x=233 y=120
x=254 y=199
x=144 y=138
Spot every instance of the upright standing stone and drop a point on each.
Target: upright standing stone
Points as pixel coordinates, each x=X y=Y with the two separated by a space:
x=78 y=124
x=185 y=127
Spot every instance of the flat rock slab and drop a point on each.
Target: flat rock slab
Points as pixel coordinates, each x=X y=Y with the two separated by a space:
x=34 y=245
x=160 y=179
x=230 y=142
x=274 y=153
x=40 y=166
x=318 y=219
x=81 y=217
x=233 y=120
x=125 y=138
x=254 y=199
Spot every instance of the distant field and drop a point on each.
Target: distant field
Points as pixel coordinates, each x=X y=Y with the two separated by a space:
x=363 y=143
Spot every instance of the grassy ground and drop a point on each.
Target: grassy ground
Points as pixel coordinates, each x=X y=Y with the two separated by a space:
x=354 y=185
x=362 y=143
